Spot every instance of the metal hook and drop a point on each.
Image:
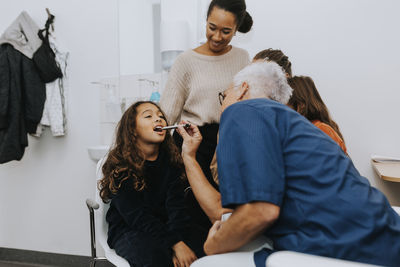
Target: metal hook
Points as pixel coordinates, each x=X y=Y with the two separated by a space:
x=50 y=17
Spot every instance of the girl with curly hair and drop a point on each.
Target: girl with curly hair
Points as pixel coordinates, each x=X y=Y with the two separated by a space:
x=143 y=176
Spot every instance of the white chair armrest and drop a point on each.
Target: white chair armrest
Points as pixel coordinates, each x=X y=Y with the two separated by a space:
x=396 y=209
x=291 y=258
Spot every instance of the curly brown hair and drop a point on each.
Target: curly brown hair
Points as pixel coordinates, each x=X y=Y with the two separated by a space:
x=126 y=161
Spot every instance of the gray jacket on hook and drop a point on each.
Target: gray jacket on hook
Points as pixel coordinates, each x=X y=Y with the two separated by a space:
x=22 y=34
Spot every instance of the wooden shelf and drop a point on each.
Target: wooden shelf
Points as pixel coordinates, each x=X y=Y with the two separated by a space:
x=388 y=171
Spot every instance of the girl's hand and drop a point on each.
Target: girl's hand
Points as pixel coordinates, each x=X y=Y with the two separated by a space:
x=191 y=139
x=183 y=255
x=175 y=261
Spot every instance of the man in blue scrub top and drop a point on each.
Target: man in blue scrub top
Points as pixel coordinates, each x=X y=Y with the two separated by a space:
x=285 y=178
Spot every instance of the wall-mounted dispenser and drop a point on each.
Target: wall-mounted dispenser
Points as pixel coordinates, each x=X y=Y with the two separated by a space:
x=174 y=40
x=155 y=94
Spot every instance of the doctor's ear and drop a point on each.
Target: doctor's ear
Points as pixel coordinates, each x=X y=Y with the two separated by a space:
x=244 y=89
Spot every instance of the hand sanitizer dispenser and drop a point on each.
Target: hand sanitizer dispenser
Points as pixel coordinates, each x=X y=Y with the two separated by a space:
x=155 y=95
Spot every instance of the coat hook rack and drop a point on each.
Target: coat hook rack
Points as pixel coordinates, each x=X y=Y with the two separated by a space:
x=50 y=17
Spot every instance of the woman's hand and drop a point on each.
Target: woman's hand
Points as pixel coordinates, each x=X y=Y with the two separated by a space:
x=191 y=139
x=183 y=255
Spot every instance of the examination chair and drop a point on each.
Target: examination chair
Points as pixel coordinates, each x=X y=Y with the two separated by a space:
x=99 y=226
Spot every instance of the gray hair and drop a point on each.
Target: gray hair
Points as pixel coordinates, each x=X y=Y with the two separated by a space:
x=265 y=79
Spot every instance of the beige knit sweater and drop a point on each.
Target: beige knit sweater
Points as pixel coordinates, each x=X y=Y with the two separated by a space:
x=194 y=81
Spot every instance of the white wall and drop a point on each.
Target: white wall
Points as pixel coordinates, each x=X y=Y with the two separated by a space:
x=136 y=35
x=42 y=197
x=351 y=50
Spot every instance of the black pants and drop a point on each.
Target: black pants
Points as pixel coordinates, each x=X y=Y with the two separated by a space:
x=204 y=156
x=142 y=250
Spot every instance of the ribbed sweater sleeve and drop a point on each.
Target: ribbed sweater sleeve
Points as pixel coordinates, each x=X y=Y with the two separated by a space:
x=174 y=95
x=191 y=91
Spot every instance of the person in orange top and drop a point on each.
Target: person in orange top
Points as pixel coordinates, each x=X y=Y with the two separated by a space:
x=307 y=101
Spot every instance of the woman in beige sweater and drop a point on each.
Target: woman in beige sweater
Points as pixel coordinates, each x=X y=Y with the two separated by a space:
x=198 y=75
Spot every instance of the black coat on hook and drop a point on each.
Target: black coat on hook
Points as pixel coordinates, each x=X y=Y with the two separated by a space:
x=44 y=58
x=21 y=103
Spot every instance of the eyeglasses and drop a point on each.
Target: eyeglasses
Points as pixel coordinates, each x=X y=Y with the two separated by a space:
x=221 y=96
